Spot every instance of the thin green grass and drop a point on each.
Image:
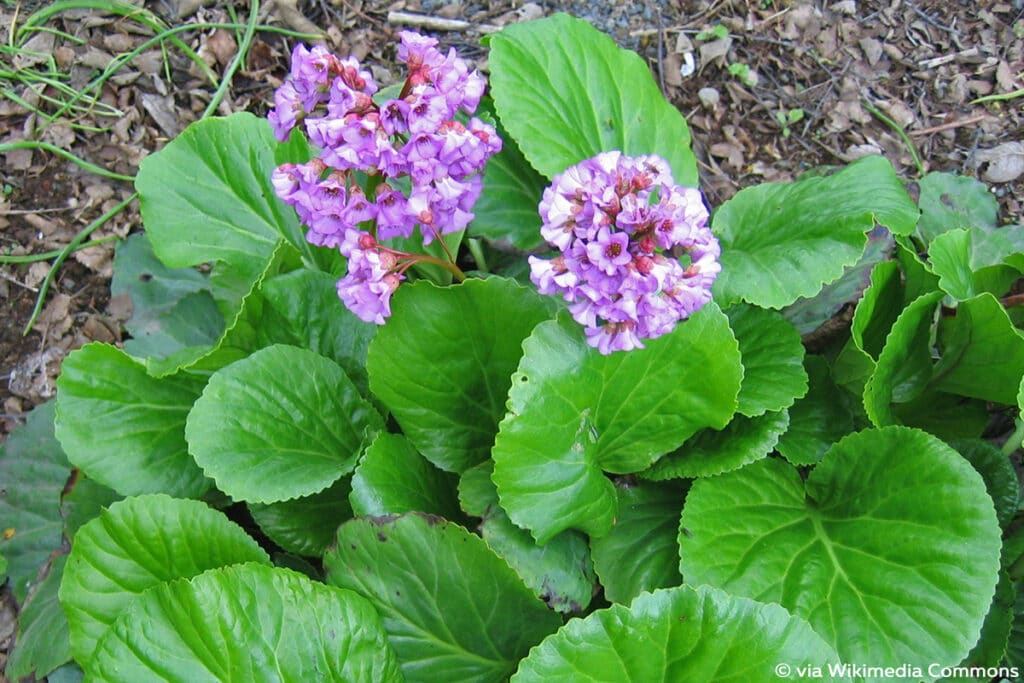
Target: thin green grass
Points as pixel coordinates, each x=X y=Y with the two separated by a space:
x=47 y=147
x=877 y=113
x=139 y=15
x=239 y=59
x=68 y=101
x=12 y=259
x=62 y=256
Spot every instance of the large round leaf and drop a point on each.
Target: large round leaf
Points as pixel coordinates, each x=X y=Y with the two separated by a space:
x=710 y=452
x=506 y=212
x=998 y=471
x=34 y=471
x=559 y=572
x=283 y=423
x=784 y=241
x=393 y=478
x=172 y=308
x=246 y=623
x=207 y=196
x=442 y=363
x=949 y=201
x=681 y=634
x=905 y=364
x=124 y=428
x=566 y=92
x=452 y=609
x=773 y=368
x=575 y=414
x=890 y=549
x=137 y=544
x=817 y=420
x=307 y=525
x=982 y=352
x=302 y=308
x=874 y=316
x=641 y=553
x=42 y=643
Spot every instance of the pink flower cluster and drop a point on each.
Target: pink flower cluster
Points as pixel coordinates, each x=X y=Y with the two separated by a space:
x=622 y=224
x=414 y=136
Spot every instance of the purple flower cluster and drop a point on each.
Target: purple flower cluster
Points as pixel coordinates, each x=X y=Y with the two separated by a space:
x=414 y=136
x=621 y=224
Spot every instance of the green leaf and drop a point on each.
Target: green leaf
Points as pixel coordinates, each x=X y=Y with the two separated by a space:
x=560 y=572
x=172 y=308
x=918 y=278
x=997 y=470
x=808 y=315
x=781 y=242
x=69 y=673
x=773 y=355
x=306 y=525
x=950 y=201
x=680 y=634
x=982 y=352
x=248 y=623
x=878 y=309
x=1015 y=643
x=392 y=478
x=537 y=69
x=995 y=632
x=574 y=412
x=817 y=420
x=970 y=262
x=641 y=553
x=946 y=416
x=33 y=471
x=124 y=428
x=452 y=609
x=874 y=316
x=83 y=500
x=302 y=308
x=710 y=452
x=890 y=548
x=207 y=196
x=241 y=335
x=506 y=211
x=442 y=363
x=137 y=544
x=42 y=643
x=905 y=364
x=283 y=423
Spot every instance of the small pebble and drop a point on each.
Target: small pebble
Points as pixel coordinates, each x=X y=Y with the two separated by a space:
x=708 y=97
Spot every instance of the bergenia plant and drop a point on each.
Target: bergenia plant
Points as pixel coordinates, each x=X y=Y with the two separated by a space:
x=458 y=380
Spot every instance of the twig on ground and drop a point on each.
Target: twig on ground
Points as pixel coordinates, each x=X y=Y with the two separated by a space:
x=18 y=282
x=432 y=23
x=949 y=125
x=946 y=59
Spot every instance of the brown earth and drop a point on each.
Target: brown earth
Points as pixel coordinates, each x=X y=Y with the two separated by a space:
x=824 y=83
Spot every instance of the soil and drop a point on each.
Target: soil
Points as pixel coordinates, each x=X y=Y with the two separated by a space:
x=784 y=87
